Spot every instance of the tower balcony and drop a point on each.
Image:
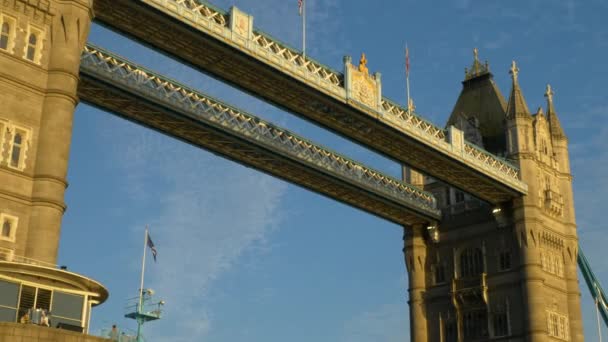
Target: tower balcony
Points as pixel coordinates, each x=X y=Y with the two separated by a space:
x=554 y=202
x=470 y=291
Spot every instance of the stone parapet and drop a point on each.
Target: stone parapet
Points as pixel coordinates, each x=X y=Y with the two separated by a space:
x=16 y=332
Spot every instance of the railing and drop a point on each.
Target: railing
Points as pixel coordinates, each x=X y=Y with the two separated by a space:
x=260 y=45
x=492 y=162
x=470 y=282
x=110 y=67
x=7 y=254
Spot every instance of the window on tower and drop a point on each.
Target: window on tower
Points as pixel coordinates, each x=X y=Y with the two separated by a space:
x=474 y=325
x=8 y=227
x=471 y=262
x=17 y=149
x=459 y=196
x=500 y=319
x=32 y=44
x=17 y=143
x=5 y=35
x=439 y=273
x=557 y=325
x=504 y=260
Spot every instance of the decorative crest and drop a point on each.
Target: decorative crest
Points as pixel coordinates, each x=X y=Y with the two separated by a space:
x=514 y=71
x=477 y=69
x=549 y=95
x=363 y=64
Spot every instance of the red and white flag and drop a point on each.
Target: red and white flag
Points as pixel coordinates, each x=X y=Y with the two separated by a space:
x=300 y=6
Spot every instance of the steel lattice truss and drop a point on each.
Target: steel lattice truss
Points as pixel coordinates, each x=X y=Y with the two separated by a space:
x=120 y=73
x=227 y=47
x=197 y=10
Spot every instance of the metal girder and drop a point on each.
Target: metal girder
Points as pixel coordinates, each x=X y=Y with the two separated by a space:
x=202 y=36
x=137 y=94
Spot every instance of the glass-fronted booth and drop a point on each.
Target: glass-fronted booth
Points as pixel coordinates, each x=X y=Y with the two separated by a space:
x=31 y=294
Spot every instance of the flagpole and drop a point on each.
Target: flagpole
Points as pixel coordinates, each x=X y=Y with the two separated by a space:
x=304 y=29
x=143 y=267
x=407 y=78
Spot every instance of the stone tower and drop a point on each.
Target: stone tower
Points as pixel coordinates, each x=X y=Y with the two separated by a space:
x=40 y=46
x=503 y=272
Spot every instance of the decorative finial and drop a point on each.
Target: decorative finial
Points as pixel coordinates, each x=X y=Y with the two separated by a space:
x=540 y=111
x=514 y=71
x=410 y=106
x=476 y=54
x=363 y=64
x=549 y=95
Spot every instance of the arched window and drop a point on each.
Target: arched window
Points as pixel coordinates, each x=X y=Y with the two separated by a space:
x=6 y=228
x=17 y=147
x=4 y=35
x=471 y=262
x=32 y=44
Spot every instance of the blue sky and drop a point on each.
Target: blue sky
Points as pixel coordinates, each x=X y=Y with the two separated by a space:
x=245 y=257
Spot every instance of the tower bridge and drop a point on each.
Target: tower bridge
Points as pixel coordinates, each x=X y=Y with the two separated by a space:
x=503 y=269
x=226 y=46
x=112 y=83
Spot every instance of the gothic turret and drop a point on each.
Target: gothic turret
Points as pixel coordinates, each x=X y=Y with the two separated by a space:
x=517 y=106
x=556 y=127
x=519 y=120
x=480 y=108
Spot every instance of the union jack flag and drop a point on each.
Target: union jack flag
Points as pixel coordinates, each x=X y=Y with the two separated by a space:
x=152 y=247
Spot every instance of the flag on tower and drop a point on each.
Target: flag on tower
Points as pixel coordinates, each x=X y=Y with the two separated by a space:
x=300 y=6
x=152 y=248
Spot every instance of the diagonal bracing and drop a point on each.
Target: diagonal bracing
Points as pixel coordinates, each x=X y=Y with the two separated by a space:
x=225 y=45
x=113 y=83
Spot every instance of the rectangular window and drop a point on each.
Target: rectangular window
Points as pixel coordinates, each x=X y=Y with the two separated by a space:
x=459 y=196
x=9 y=294
x=7 y=33
x=3 y=125
x=33 y=45
x=67 y=310
x=557 y=325
x=501 y=325
x=552 y=262
x=27 y=299
x=18 y=146
x=504 y=262
x=475 y=324
x=8 y=227
x=451 y=333
x=439 y=273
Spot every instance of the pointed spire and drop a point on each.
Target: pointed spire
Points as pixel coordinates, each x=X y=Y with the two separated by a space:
x=477 y=69
x=540 y=112
x=554 y=124
x=517 y=104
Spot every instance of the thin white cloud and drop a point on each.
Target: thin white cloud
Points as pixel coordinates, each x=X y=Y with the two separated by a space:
x=211 y=212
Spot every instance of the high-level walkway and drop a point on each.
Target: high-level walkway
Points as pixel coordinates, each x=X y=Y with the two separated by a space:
x=226 y=46
x=112 y=83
